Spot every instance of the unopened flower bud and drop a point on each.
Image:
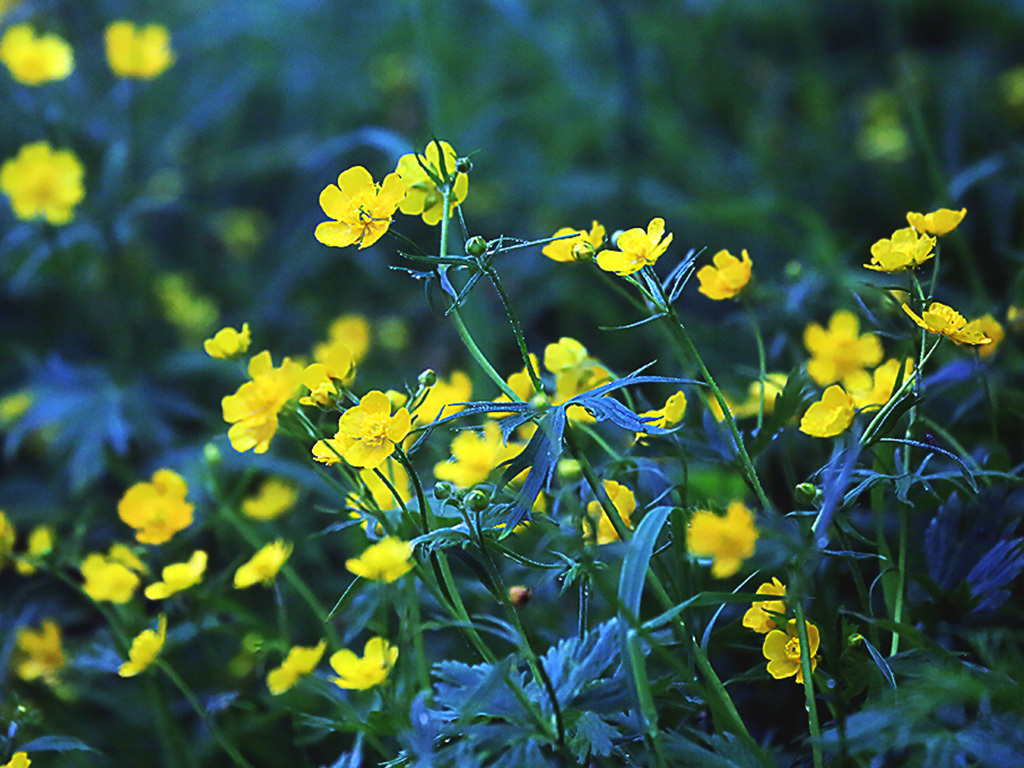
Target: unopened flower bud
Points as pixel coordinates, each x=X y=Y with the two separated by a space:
x=520 y=595
x=427 y=379
x=211 y=453
x=442 y=490
x=476 y=246
x=540 y=402
x=583 y=251
x=569 y=470
x=807 y=493
x=463 y=165
x=477 y=500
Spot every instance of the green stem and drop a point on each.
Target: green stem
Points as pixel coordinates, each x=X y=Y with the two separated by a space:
x=421 y=497
x=517 y=328
x=763 y=373
x=805 y=668
x=411 y=605
x=901 y=578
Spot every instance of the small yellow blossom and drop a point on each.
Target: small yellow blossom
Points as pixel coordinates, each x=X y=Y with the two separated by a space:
x=40 y=544
x=146 y=646
x=228 y=343
x=349 y=331
x=140 y=53
x=475 y=455
x=43 y=182
x=362 y=673
x=367 y=433
x=35 y=60
x=187 y=310
x=439 y=401
x=938 y=222
x=262 y=567
x=575 y=373
x=774 y=384
x=321 y=386
x=728 y=540
x=18 y=760
x=273 y=498
x=874 y=390
x=387 y=560
x=39 y=655
x=623 y=500
x=423 y=196
x=7 y=538
x=727 y=277
x=830 y=416
x=906 y=249
x=252 y=410
x=637 y=249
x=669 y=414
x=841 y=350
x=944 y=320
x=582 y=247
x=119 y=553
x=14 y=406
x=762 y=614
x=178 y=577
x=520 y=383
x=782 y=649
x=361 y=210
x=156 y=510
x=300 y=661
x=107 y=580
x=994 y=330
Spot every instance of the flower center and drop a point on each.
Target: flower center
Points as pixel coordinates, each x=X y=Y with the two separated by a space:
x=793 y=649
x=373 y=429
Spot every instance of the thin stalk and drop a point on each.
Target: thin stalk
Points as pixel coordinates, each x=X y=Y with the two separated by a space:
x=421 y=497
x=517 y=328
x=762 y=371
x=805 y=668
x=901 y=578
x=411 y=605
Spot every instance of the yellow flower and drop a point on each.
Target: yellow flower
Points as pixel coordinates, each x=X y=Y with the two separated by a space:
x=156 y=510
x=40 y=544
x=145 y=648
x=18 y=760
x=387 y=560
x=782 y=649
x=841 y=350
x=349 y=331
x=582 y=247
x=728 y=540
x=762 y=614
x=575 y=373
x=874 y=390
x=140 y=53
x=7 y=538
x=476 y=455
x=367 y=433
x=43 y=182
x=178 y=577
x=831 y=415
x=669 y=414
x=624 y=502
x=380 y=494
x=119 y=553
x=361 y=673
x=938 y=222
x=520 y=383
x=107 y=580
x=637 y=249
x=423 y=196
x=774 y=383
x=14 y=406
x=262 y=567
x=940 y=319
x=193 y=314
x=300 y=661
x=228 y=343
x=994 y=330
x=727 y=277
x=35 y=60
x=39 y=654
x=906 y=249
x=361 y=210
x=252 y=410
x=438 y=402
x=273 y=498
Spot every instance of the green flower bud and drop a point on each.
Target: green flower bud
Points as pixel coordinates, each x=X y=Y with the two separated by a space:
x=463 y=165
x=476 y=246
x=211 y=453
x=807 y=493
x=540 y=402
x=427 y=379
x=569 y=470
x=583 y=251
x=477 y=500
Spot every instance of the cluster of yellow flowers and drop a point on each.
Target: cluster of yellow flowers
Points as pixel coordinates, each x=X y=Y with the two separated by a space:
x=781 y=646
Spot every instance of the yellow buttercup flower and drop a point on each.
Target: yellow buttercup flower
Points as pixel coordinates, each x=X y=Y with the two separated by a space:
x=156 y=510
x=946 y=321
x=874 y=390
x=782 y=649
x=423 y=197
x=146 y=646
x=35 y=60
x=367 y=433
x=349 y=331
x=43 y=183
x=841 y=350
x=669 y=414
x=938 y=222
x=228 y=343
x=14 y=406
x=300 y=662
x=727 y=277
x=107 y=580
x=774 y=384
x=582 y=247
x=262 y=567
x=830 y=416
x=762 y=614
x=178 y=577
x=637 y=249
x=439 y=400
x=140 y=53
x=728 y=540
x=40 y=544
x=252 y=410
x=623 y=501
x=575 y=373
x=994 y=330
x=190 y=312
x=39 y=655
x=906 y=249
x=361 y=210
x=119 y=553
x=273 y=498
x=362 y=673
x=18 y=760
x=475 y=456
x=387 y=560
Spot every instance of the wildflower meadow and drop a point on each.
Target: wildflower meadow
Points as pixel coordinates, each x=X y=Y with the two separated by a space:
x=512 y=383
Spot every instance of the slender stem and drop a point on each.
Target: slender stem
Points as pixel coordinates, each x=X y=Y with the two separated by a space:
x=901 y=578
x=762 y=370
x=411 y=606
x=517 y=328
x=421 y=497
x=805 y=668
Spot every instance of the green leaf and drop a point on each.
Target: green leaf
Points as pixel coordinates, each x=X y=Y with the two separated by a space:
x=638 y=558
